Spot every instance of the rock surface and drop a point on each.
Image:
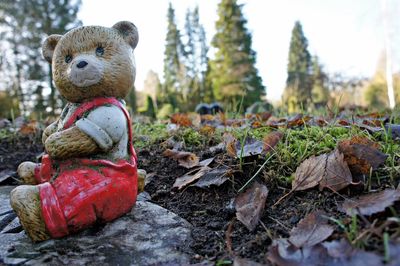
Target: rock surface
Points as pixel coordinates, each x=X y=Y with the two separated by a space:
x=148 y=235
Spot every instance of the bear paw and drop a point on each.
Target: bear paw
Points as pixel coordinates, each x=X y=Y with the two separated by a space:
x=141 y=174
x=25 y=201
x=26 y=171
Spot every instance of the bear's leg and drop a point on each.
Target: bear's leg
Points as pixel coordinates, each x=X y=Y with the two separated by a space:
x=26 y=172
x=141 y=174
x=25 y=201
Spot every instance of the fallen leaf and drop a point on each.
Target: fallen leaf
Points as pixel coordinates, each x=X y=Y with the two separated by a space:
x=206 y=162
x=207 y=130
x=181 y=120
x=283 y=253
x=216 y=177
x=195 y=119
x=271 y=140
x=371 y=203
x=250 y=204
x=361 y=154
x=340 y=252
x=29 y=128
x=310 y=172
x=394 y=130
x=230 y=144
x=297 y=120
x=335 y=253
x=327 y=170
x=337 y=174
x=185 y=159
x=190 y=177
x=256 y=124
x=311 y=230
x=251 y=147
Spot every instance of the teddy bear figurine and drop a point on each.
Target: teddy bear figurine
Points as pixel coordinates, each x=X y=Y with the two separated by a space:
x=89 y=172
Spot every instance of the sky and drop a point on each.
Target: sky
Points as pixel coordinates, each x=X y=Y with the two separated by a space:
x=347 y=36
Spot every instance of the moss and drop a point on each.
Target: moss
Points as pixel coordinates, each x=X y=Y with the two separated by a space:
x=145 y=135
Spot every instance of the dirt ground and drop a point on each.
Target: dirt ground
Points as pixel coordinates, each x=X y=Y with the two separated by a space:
x=218 y=237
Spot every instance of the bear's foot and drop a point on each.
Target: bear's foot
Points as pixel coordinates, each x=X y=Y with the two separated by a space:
x=26 y=172
x=25 y=201
x=141 y=174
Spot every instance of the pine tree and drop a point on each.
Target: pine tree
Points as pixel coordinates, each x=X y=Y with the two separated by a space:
x=233 y=73
x=172 y=86
x=195 y=59
x=319 y=91
x=131 y=100
x=298 y=84
x=26 y=23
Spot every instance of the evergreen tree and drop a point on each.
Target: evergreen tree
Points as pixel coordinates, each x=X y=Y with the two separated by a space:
x=298 y=84
x=148 y=108
x=195 y=59
x=233 y=74
x=152 y=86
x=172 y=61
x=319 y=92
x=131 y=100
x=26 y=23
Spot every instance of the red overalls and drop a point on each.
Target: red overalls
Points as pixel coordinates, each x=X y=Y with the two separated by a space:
x=75 y=193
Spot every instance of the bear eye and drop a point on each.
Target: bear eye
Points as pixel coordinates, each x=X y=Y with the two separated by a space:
x=68 y=58
x=99 y=51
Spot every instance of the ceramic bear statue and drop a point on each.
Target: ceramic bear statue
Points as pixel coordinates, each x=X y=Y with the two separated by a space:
x=89 y=172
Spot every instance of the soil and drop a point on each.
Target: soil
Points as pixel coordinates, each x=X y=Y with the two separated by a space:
x=217 y=235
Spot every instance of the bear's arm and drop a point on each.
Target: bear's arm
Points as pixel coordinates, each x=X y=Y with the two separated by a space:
x=52 y=128
x=70 y=143
x=98 y=132
x=105 y=125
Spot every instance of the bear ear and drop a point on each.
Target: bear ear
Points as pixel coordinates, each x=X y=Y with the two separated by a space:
x=49 y=45
x=129 y=32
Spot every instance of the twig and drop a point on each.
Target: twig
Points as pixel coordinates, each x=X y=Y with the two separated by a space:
x=258 y=171
x=228 y=237
x=279 y=222
x=282 y=198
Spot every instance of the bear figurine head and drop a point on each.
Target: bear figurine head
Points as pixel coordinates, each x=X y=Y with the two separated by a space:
x=93 y=61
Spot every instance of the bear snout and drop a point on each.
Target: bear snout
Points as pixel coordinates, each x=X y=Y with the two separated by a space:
x=85 y=70
x=82 y=64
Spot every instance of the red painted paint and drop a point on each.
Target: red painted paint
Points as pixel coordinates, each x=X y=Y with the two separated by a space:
x=83 y=190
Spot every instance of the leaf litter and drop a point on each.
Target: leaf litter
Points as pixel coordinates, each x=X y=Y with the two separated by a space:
x=250 y=204
x=371 y=203
x=326 y=170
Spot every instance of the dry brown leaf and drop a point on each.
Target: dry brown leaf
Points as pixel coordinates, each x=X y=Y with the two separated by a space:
x=371 y=203
x=207 y=130
x=190 y=177
x=29 y=128
x=335 y=253
x=230 y=144
x=393 y=130
x=337 y=174
x=181 y=119
x=310 y=172
x=282 y=253
x=311 y=230
x=271 y=140
x=216 y=177
x=361 y=154
x=250 y=205
x=251 y=147
x=206 y=162
x=327 y=170
x=185 y=159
